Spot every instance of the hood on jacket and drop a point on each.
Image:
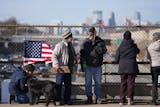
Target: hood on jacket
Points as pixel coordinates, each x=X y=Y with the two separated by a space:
x=127 y=44
x=128 y=47
x=155 y=45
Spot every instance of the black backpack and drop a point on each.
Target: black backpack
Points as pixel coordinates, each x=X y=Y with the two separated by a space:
x=17 y=87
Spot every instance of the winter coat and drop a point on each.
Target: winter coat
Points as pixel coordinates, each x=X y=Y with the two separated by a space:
x=60 y=56
x=92 y=52
x=18 y=82
x=154 y=53
x=126 y=57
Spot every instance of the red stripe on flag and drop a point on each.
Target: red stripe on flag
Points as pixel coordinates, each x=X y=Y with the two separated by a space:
x=46 y=55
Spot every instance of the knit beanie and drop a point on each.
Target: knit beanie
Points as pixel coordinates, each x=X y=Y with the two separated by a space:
x=156 y=36
x=67 y=34
x=92 y=30
x=127 y=35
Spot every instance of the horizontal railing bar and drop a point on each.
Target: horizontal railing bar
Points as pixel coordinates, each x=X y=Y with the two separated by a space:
x=8 y=25
x=106 y=62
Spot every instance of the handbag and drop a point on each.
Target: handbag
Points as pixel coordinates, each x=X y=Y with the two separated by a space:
x=62 y=69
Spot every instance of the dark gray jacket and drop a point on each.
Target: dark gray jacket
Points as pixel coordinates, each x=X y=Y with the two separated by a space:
x=126 y=57
x=92 y=52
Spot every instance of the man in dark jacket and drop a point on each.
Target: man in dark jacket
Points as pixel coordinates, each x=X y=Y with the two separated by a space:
x=91 y=54
x=17 y=85
x=128 y=67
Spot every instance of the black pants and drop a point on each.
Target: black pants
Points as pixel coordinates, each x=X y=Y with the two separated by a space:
x=155 y=71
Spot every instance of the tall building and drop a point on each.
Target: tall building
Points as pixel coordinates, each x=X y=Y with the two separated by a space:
x=111 y=20
x=89 y=21
x=56 y=30
x=99 y=15
x=138 y=18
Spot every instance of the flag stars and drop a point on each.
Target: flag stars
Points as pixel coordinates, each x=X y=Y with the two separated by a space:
x=33 y=49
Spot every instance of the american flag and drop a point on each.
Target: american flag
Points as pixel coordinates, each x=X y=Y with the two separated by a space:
x=36 y=51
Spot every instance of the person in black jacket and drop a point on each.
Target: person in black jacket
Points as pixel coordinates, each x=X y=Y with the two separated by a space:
x=91 y=54
x=128 y=67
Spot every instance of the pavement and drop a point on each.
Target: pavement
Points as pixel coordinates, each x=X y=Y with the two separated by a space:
x=93 y=105
x=81 y=104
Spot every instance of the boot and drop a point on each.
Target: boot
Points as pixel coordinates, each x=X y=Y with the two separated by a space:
x=11 y=98
x=89 y=100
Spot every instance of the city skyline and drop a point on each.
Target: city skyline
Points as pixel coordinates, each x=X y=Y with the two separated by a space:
x=75 y=12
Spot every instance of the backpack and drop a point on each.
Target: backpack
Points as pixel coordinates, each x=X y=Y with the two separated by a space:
x=17 y=87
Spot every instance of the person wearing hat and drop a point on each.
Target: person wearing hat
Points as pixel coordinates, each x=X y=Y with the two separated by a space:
x=17 y=86
x=126 y=55
x=64 y=55
x=91 y=54
x=154 y=56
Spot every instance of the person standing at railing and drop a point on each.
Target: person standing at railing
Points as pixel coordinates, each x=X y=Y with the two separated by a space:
x=64 y=56
x=128 y=67
x=91 y=55
x=154 y=56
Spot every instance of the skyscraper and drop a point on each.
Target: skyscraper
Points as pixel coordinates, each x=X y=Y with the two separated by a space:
x=111 y=20
x=56 y=30
x=99 y=16
x=89 y=21
x=138 y=17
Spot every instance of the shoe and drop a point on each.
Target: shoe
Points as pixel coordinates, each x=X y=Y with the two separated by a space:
x=121 y=104
x=98 y=101
x=154 y=103
x=11 y=98
x=89 y=100
x=57 y=103
x=68 y=102
x=130 y=102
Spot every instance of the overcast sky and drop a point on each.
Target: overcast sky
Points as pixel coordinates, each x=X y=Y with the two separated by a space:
x=74 y=12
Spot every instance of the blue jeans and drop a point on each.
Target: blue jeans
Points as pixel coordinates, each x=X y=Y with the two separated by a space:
x=96 y=74
x=67 y=79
